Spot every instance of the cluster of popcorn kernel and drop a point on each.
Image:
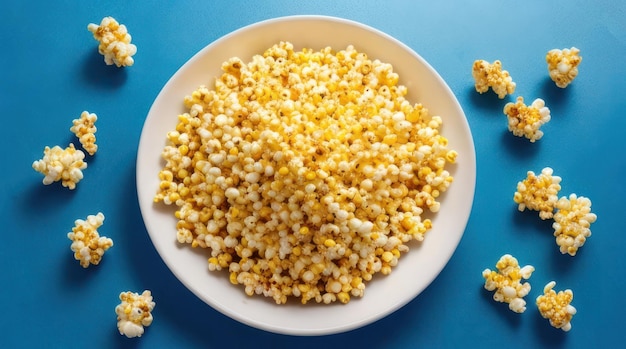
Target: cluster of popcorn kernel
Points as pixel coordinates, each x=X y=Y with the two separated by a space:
x=488 y=75
x=85 y=129
x=63 y=165
x=572 y=220
x=563 y=65
x=114 y=42
x=557 y=307
x=526 y=120
x=507 y=282
x=134 y=313
x=304 y=172
x=88 y=246
x=538 y=193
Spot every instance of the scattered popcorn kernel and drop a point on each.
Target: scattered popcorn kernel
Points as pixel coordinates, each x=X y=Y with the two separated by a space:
x=134 y=313
x=572 y=220
x=538 y=193
x=85 y=129
x=305 y=173
x=488 y=75
x=563 y=65
x=88 y=246
x=63 y=165
x=506 y=282
x=526 y=120
x=114 y=41
x=556 y=307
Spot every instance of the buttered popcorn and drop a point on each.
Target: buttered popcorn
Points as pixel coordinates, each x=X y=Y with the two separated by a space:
x=538 y=193
x=525 y=121
x=85 y=129
x=63 y=165
x=507 y=283
x=490 y=75
x=87 y=244
x=563 y=65
x=305 y=173
x=114 y=42
x=557 y=307
x=572 y=220
x=134 y=313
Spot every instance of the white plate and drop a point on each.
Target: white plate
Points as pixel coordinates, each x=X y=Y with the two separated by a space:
x=385 y=294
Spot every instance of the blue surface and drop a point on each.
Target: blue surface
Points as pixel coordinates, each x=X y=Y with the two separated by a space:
x=51 y=71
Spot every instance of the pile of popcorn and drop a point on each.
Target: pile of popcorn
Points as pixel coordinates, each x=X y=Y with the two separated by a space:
x=305 y=173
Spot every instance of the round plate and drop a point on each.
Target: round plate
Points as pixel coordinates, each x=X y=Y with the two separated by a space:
x=383 y=295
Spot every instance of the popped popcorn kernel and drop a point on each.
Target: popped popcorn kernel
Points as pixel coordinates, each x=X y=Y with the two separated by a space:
x=85 y=129
x=538 y=193
x=526 y=120
x=507 y=283
x=114 y=42
x=87 y=244
x=304 y=173
x=488 y=75
x=572 y=220
x=563 y=65
x=557 y=307
x=134 y=313
x=60 y=164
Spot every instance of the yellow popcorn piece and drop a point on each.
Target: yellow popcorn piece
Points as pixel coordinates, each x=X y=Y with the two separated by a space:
x=538 y=193
x=490 y=75
x=134 y=313
x=572 y=220
x=557 y=307
x=563 y=65
x=63 y=165
x=88 y=246
x=114 y=42
x=85 y=129
x=507 y=283
x=526 y=120
x=304 y=172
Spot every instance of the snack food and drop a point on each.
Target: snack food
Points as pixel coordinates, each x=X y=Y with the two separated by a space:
x=63 y=165
x=507 y=283
x=85 y=129
x=114 y=42
x=526 y=120
x=490 y=75
x=563 y=65
x=305 y=173
x=556 y=307
x=134 y=313
x=538 y=193
x=87 y=244
x=572 y=220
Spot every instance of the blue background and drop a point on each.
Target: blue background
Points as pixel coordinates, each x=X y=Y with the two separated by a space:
x=51 y=72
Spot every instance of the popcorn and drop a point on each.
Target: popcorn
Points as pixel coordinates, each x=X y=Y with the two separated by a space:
x=572 y=220
x=304 y=178
x=538 y=193
x=488 y=75
x=114 y=41
x=506 y=282
x=563 y=65
x=134 y=313
x=556 y=307
x=63 y=165
x=85 y=129
x=526 y=120
x=88 y=246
